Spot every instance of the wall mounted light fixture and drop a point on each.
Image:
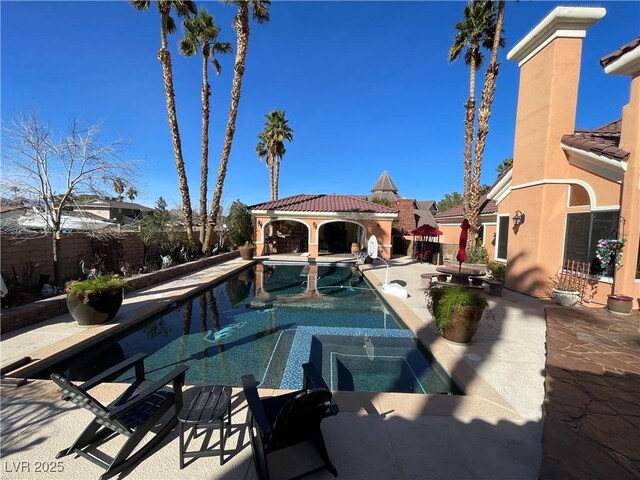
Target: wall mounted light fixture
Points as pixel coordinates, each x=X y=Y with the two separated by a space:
x=378 y=225
x=315 y=225
x=259 y=223
x=518 y=218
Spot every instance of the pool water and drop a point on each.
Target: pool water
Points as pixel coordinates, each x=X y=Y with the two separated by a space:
x=269 y=319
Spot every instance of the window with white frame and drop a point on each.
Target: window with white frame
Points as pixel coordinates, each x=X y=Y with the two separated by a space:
x=502 y=237
x=582 y=235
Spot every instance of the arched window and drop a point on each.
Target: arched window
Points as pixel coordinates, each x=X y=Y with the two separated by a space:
x=578 y=196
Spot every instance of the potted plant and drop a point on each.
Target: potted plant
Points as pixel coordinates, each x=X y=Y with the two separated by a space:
x=609 y=253
x=95 y=300
x=564 y=290
x=457 y=311
x=496 y=282
x=247 y=250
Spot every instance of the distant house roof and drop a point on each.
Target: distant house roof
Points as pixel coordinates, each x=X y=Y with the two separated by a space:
x=604 y=141
x=117 y=204
x=426 y=204
x=424 y=217
x=384 y=184
x=385 y=189
x=487 y=207
x=322 y=203
x=29 y=219
x=612 y=57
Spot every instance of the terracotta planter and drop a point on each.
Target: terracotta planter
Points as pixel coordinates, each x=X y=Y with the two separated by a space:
x=565 y=298
x=620 y=304
x=100 y=308
x=466 y=321
x=246 y=252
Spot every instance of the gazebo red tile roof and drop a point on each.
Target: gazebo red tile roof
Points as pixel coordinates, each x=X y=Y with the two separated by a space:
x=487 y=207
x=604 y=141
x=323 y=203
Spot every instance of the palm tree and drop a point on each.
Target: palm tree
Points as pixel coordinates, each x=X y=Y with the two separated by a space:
x=486 y=100
x=474 y=32
x=118 y=187
x=201 y=34
x=263 y=154
x=168 y=26
x=132 y=193
x=260 y=12
x=271 y=145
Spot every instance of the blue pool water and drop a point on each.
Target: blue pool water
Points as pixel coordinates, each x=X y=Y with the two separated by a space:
x=269 y=319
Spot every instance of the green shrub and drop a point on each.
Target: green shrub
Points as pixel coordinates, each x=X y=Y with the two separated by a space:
x=478 y=254
x=240 y=227
x=92 y=286
x=497 y=269
x=445 y=300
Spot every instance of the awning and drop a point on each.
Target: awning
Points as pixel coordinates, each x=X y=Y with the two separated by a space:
x=426 y=231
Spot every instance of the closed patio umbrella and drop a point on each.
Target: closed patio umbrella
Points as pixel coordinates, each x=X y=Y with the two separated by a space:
x=462 y=243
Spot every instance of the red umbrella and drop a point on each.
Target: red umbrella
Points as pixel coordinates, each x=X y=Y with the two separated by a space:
x=462 y=243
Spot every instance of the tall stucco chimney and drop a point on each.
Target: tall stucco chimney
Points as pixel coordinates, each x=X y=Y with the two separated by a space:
x=549 y=59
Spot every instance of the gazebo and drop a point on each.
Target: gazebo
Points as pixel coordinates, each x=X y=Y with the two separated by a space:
x=427 y=247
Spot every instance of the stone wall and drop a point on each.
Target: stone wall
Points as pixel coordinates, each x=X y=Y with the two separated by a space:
x=30 y=258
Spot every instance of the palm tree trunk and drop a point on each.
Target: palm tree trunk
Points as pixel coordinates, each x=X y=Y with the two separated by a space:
x=276 y=178
x=241 y=25
x=165 y=60
x=271 y=177
x=204 y=165
x=468 y=133
x=486 y=100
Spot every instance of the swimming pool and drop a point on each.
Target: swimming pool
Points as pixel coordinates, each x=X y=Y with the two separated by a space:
x=269 y=319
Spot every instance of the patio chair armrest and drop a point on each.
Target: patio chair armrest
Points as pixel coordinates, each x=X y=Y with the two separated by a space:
x=176 y=376
x=312 y=378
x=137 y=360
x=250 y=388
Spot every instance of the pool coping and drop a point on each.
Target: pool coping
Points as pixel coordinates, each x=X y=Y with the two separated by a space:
x=480 y=399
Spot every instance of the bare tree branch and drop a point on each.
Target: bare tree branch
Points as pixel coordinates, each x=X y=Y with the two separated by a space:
x=50 y=173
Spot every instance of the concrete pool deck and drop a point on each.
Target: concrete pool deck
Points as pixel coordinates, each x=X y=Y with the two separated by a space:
x=492 y=432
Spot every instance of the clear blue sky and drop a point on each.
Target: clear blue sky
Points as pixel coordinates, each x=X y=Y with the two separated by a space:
x=366 y=86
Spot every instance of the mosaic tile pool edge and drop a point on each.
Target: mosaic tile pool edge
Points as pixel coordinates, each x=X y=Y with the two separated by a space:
x=300 y=350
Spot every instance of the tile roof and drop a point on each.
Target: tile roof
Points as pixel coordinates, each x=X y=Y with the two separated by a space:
x=612 y=57
x=323 y=203
x=487 y=207
x=604 y=141
x=385 y=184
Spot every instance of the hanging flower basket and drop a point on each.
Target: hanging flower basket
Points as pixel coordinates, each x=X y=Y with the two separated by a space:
x=609 y=254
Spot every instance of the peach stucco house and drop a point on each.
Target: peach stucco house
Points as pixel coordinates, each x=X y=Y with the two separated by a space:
x=573 y=186
x=449 y=224
x=321 y=224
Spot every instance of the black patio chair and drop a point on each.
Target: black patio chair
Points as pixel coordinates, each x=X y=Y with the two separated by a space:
x=286 y=420
x=133 y=414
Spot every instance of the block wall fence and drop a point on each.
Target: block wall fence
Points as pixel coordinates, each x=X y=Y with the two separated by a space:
x=30 y=258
